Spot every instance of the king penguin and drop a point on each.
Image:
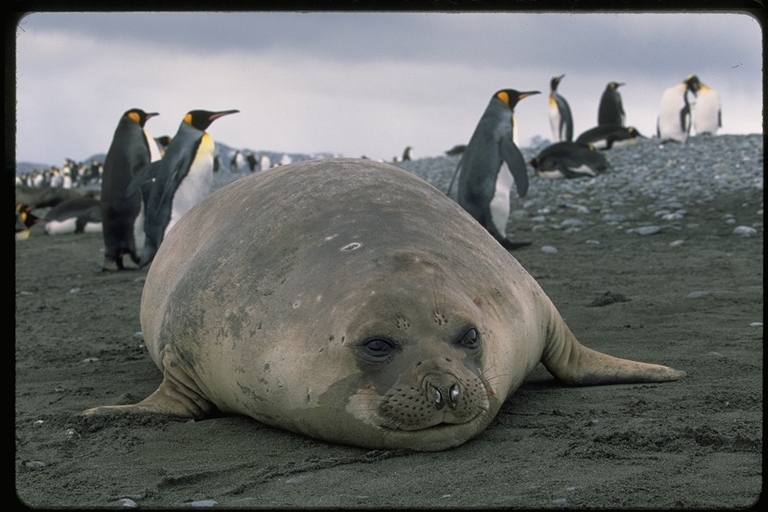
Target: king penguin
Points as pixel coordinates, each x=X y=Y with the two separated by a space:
x=569 y=160
x=674 y=121
x=611 y=111
x=490 y=165
x=609 y=135
x=559 y=113
x=182 y=178
x=706 y=111
x=122 y=216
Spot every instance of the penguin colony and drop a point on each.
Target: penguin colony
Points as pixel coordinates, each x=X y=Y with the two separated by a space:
x=148 y=183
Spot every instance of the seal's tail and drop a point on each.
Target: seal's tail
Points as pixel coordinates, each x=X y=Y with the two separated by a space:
x=576 y=365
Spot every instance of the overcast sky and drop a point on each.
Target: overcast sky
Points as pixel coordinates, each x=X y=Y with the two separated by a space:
x=362 y=84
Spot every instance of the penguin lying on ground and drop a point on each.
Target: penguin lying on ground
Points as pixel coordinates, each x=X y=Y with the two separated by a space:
x=78 y=215
x=182 y=178
x=611 y=111
x=44 y=196
x=25 y=219
x=490 y=165
x=559 y=113
x=707 y=117
x=132 y=149
x=674 y=121
x=569 y=160
x=609 y=135
x=456 y=150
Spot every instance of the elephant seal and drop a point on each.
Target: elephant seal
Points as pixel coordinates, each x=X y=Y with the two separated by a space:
x=351 y=301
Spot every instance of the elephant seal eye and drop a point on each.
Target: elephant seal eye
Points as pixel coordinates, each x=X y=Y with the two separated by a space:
x=378 y=348
x=470 y=339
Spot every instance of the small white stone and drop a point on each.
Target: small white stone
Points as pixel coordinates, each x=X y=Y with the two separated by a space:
x=647 y=230
x=697 y=294
x=753 y=324
x=203 y=503
x=128 y=503
x=744 y=231
x=548 y=249
x=676 y=243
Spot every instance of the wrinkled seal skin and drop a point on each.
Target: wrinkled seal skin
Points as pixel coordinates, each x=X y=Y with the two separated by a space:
x=350 y=301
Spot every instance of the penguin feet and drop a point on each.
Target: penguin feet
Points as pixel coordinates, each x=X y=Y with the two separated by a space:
x=511 y=246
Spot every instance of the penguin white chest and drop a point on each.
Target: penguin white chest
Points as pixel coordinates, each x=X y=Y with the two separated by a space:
x=500 y=203
x=706 y=111
x=554 y=119
x=196 y=185
x=674 y=116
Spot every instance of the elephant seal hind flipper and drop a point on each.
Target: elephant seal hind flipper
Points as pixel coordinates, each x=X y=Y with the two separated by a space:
x=576 y=365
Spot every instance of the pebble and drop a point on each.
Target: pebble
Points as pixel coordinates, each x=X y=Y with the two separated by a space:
x=756 y=324
x=34 y=464
x=676 y=243
x=647 y=182
x=647 y=230
x=744 y=231
x=548 y=249
x=203 y=503
x=127 y=503
x=697 y=295
x=74 y=290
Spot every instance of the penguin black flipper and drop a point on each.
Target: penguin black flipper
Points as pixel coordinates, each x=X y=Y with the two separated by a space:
x=514 y=159
x=685 y=115
x=160 y=206
x=179 y=171
x=144 y=176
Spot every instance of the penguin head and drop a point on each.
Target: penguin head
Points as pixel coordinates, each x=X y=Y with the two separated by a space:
x=510 y=97
x=555 y=82
x=615 y=85
x=163 y=140
x=692 y=83
x=139 y=116
x=202 y=119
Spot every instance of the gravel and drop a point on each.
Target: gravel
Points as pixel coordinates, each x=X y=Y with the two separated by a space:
x=648 y=188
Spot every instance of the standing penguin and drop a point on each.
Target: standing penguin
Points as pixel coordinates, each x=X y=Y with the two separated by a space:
x=132 y=149
x=706 y=111
x=674 y=121
x=611 y=111
x=559 y=113
x=490 y=165
x=182 y=178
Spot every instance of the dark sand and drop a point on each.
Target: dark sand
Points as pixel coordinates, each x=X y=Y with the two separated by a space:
x=693 y=443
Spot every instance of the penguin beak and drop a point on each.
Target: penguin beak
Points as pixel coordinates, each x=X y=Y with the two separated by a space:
x=223 y=113
x=529 y=93
x=151 y=114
